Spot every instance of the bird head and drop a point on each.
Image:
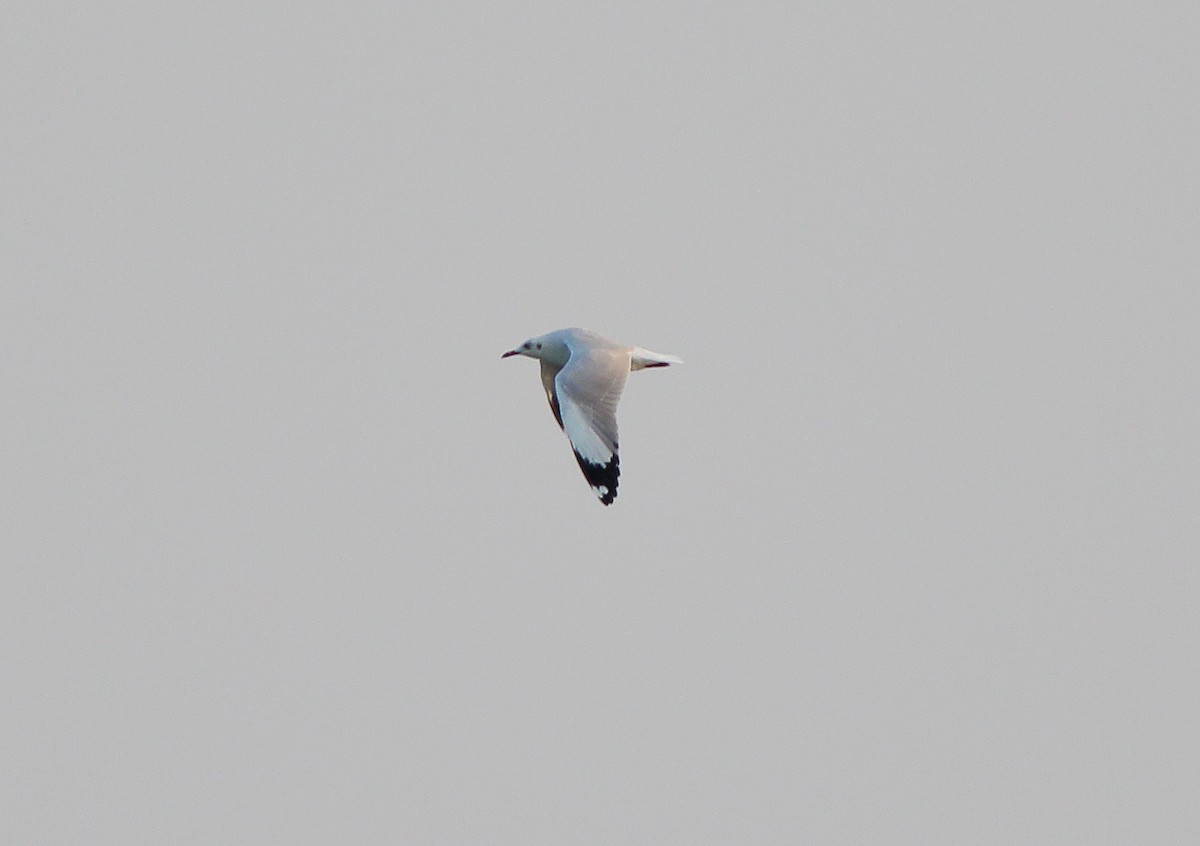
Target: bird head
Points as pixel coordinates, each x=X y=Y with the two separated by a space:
x=531 y=348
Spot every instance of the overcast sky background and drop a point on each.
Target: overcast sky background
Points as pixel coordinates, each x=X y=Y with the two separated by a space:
x=906 y=552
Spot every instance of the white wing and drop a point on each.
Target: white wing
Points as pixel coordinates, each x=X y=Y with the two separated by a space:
x=587 y=390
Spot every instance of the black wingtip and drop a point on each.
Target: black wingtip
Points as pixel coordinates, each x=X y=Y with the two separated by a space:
x=602 y=477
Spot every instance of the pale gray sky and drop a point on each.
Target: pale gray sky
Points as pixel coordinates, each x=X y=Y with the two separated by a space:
x=906 y=552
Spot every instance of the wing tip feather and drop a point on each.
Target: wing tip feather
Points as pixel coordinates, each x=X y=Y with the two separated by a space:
x=602 y=477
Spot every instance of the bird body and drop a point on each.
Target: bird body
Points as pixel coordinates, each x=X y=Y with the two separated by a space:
x=583 y=374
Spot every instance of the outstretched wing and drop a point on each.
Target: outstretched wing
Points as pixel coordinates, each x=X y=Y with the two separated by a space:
x=586 y=392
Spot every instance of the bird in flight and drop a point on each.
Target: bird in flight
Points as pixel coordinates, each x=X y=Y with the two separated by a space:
x=583 y=374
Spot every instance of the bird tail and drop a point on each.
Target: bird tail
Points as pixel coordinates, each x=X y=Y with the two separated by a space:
x=645 y=358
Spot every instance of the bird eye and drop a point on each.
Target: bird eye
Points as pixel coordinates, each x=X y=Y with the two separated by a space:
x=539 y=346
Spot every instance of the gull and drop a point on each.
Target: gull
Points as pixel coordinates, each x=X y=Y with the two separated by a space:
x=583 y=374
